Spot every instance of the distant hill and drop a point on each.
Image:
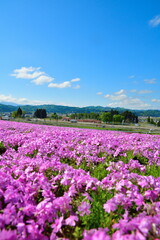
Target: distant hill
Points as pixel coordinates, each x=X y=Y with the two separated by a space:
x=7 y=108
x=60 y=109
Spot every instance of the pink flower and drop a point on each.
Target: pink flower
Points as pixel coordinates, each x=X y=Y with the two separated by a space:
x=8 y=235
x=57 y=225
x=84 y=208
x=95 y=234
x=110 y=206
x=71 y=220
x=151 y=194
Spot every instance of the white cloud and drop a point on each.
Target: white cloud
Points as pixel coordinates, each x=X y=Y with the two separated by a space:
x=144 y=91
x=75 y=80
x=156 y=100
x=119 y=97
x=42 y=79
x=66 y=84
x=25 y=101
x=7 y=98
x=33 y=74
x=122 y=91
x=99 y=93
x=141 y=91
x=10 y=98
x=27 y=73
x=154 y=22
x=122 y=100
x=150 y=81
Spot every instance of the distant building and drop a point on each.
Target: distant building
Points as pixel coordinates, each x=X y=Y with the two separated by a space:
x=28 y=115
x=89 y=120
x=66 y=119
x=6 y=117
x=73 y=121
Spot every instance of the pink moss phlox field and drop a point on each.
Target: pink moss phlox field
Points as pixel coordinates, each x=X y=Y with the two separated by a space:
x=49 y=185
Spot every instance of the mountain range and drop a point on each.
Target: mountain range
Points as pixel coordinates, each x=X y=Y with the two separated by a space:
x=60 y=109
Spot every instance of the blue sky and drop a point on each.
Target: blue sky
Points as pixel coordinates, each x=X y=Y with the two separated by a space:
x=80 y=52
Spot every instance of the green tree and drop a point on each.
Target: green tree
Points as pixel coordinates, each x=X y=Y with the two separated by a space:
x=114 y=112
x=40 y=113
x=17 y=113
x=106 y=117
x=54 y=116
x=118 y=118
x=158 y=123
x=14 y=114
x=148 y=119
x=130 y=117
x=152 y=121
x=73 y=116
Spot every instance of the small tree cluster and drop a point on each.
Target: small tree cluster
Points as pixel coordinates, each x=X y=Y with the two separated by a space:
x=115 y=116
x=40 y=113
x=154 y=122
x=91 y=115
x=54 y=116
x=17 y=113
x=106 y=117
x=112 y=116
x=130 y=117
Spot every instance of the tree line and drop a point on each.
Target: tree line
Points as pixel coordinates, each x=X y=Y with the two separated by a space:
x=39 y=113
x=108 y=116
x=153 y=121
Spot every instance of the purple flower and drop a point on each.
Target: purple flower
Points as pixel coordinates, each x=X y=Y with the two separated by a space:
x=57 y=225
x=144 y=226
x=84 y=208
x=151 y=194
x=8 y=235
x=37 y=189
x=110 y=206
x=95 y=234
x=71 y=220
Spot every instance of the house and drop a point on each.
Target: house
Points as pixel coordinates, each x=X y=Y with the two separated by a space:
x=66 y=119
x=73 y=121
x=6 y=117
x=28 y=115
